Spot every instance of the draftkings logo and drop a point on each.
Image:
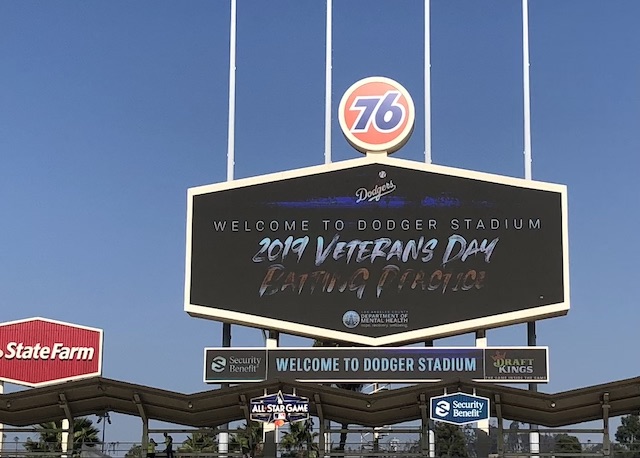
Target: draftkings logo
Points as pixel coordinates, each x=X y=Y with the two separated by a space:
x=507 y=365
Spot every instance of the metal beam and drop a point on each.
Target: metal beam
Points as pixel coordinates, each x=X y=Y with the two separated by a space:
x=64 y=405
x=319 y=410
x=138 y=402
x=244 y=405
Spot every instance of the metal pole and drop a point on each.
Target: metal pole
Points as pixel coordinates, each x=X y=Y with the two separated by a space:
x=223 y=438
x=534 y=435
x=269 y=430
x=232 y=94
x=427 y=81
x=1 y=425
x=526 y=88
x=327 y=88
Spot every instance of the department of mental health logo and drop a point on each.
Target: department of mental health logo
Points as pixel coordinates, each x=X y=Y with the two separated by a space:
x=376 y=115
x=351 y=319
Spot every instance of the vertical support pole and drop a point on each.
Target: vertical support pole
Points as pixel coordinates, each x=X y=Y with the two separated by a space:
x=327 y=437
x=425 y=430
x=145 y=436
x=223 y=437
x=427 y=81
x=1 y=425
x=526 y=90
x=432 y=439
x=481 y=342
x=606 y=440
x=64 y=439
x=328 y=82
x=70 y=432
x=534 y=435
x=269 y=430
x=321 y=438
x=431 y=434
x=67 y=426
x=498 y=405
x=232 y=94
x=145 y=424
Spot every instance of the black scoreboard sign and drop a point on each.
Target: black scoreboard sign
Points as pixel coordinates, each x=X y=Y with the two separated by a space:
x=377 y=251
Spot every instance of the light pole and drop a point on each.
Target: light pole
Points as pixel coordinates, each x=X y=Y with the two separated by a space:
x=105 y=416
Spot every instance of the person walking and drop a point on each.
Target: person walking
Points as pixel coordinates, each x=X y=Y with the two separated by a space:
x=151 y=448
x=168 y=445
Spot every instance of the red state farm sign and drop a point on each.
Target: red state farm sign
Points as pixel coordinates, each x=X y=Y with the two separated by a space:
x=39 y=351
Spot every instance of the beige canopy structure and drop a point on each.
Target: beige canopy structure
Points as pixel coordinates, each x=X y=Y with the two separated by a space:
x=216 y=407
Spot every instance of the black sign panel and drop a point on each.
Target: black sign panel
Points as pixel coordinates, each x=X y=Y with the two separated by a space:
x=235 y=364
x=377 y=253
x=362 y=364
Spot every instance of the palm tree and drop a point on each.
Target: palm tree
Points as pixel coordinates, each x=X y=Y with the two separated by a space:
x=50 y=436
x=199 y=442
x=300 y=440
x=247 y=438
x=356 y=387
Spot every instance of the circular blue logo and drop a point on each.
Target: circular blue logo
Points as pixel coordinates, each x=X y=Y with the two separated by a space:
x=351 y=319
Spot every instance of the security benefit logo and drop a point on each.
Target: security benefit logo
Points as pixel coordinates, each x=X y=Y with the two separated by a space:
x=279 y=409
x=225 y=364
x=459 y=408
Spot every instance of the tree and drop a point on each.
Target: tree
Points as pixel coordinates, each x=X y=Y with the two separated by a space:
x=479 y=443
x=355 y=387
x=628 y=435
x=134 y=452
x=50 y=436
x=199 y=442
x=247 y=438
x=450 y=441
x=299 y=441
x=567 y=444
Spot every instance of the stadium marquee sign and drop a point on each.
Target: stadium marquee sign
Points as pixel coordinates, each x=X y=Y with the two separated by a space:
x=386 y=364
x=377 y=251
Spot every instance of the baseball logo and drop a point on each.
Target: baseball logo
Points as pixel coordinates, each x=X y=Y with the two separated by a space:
x=376 y=115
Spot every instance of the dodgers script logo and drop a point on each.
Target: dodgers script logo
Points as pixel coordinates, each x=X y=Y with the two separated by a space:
x=374 y=194
x=376 y=115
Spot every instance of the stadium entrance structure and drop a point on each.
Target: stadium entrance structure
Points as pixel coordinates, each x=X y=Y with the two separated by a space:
x=209 y=410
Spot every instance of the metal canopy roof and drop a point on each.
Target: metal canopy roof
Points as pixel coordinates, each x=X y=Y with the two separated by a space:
x=219 y=406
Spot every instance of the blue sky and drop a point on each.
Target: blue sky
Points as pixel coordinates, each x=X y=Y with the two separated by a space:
x=109 y=111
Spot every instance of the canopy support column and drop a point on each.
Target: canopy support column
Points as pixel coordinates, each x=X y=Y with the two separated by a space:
x=606 y=440
x=425 y=436
x=67 y=425
x=498 y=406
x=145 y=424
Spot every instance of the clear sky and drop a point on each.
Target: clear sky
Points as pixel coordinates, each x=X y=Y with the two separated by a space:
x=110 y=111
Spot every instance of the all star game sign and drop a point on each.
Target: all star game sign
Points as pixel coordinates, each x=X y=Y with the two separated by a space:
x=279 y=408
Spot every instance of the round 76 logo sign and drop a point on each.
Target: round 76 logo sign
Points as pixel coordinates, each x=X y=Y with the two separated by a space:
x=376 y=115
